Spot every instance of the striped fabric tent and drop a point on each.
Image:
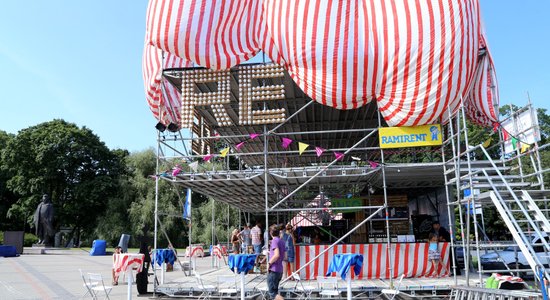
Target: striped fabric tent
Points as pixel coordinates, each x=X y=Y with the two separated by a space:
x=417 y=59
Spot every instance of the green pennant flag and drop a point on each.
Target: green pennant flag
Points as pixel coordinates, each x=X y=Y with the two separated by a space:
x=514 y=143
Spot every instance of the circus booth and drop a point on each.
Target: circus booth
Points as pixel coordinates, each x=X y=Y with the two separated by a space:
x=332 y=116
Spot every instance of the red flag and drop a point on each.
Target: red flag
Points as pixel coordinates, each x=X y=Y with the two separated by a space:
x=505 y=135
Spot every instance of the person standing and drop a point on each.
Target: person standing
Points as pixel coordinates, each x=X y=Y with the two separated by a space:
x=235 y=242
x=256 y=238
x=244 y=235
x=288 y=261
x=433 y=254
x=441 y=232
x=118 y=250
x=275 y=264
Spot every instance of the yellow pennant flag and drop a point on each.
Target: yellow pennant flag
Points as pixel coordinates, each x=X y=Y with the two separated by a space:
x=487 y=143
x=524 y=147
x=224 y=152
x=302 y=147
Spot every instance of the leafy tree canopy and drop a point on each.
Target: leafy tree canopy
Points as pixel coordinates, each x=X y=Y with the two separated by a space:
x=69 y=163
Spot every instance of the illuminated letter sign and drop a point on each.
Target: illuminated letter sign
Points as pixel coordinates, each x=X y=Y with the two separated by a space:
x=249 y=94
x=191 y=98
x=415 y=136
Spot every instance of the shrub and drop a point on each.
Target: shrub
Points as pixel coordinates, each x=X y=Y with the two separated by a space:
x=29 y=239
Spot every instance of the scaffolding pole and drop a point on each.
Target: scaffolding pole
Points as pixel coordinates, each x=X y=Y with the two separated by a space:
x=471 y=209
x=385 y=191
x=156 y=209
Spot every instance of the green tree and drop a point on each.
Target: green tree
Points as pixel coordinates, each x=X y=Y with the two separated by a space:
x=131 y=209
x=68 y=162
x=7 y=198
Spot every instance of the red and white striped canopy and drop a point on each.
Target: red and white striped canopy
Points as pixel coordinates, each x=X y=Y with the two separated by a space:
x=417 y=59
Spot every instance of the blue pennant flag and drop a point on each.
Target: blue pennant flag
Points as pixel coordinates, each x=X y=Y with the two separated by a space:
x=187 y=206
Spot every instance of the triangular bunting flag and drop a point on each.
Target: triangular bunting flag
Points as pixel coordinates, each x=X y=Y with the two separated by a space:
x=254 y=135
x=524 y=147
x=514 y=143
x=224 y=152
x=373 y=164
x=319 y=151
x=487 y=143
x=194 y=166
x=302 y=147
x=207 y=157
x=338 y=155
x=286 y=142
x=505 y=135
x=495 y=127
x=176 y=170
x=239 y=146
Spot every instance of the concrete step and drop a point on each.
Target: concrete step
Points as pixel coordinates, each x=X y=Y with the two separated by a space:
x=55 y=251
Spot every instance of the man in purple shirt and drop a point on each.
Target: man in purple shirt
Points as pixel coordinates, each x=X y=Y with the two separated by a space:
x=275 y=263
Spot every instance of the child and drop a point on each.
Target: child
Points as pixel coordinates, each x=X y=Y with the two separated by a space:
x=433 y=253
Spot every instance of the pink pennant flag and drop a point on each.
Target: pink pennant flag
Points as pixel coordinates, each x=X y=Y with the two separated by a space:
x=239 y=146
x=373 y=164
x=176 y=170
x=319 y=151
x=207 y=157
x=339 y=155
x=286 y=142
x=254 y=135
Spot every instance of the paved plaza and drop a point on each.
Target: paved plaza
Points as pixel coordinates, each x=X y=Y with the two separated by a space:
x=56 y=276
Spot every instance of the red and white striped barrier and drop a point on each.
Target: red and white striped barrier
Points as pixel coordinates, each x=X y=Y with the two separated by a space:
x=196 y=252
x=410 y=259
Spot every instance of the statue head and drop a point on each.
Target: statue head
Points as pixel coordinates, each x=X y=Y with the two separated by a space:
x=46 y=198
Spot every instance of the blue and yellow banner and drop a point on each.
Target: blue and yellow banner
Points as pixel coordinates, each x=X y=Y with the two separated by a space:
x=413 y=136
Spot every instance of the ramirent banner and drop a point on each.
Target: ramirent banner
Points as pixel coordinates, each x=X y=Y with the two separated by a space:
x=413 y=136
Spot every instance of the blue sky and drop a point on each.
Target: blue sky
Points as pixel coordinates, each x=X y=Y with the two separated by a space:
x=81 y=61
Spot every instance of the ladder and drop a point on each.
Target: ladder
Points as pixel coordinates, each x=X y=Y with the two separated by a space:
x=517 y=205
x=472 y=293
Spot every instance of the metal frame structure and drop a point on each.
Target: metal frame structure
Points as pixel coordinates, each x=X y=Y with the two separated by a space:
x=462 y=173
x=268 y=178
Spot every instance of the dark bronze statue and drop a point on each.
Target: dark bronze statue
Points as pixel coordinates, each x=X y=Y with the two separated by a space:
x=43 y=221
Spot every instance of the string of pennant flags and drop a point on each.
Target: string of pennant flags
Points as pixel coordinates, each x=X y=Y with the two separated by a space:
x=285 y=144
x=506 y=135
x=319 y=151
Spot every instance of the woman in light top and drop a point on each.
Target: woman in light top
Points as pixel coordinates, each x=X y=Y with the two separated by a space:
x=433 y=253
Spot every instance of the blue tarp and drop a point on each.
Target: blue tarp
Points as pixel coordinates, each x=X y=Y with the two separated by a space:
x=8 y=251
x=239 y=263
x=165 y=255
x=98 y=247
